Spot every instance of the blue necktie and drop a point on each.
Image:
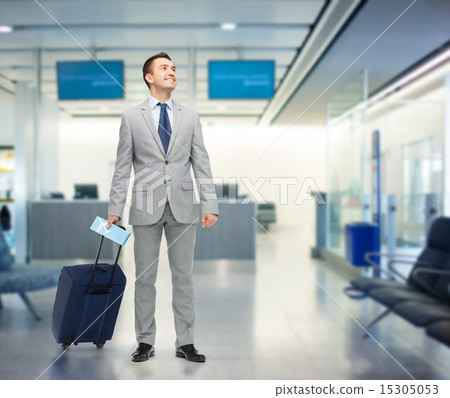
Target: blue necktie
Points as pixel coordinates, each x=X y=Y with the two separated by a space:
x=164 y=128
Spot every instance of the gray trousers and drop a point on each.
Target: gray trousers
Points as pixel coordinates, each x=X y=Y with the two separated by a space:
x=180 y=242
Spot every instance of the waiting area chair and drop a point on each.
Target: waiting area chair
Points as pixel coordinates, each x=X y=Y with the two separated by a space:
x=266 y=214
x=423 y=298
x=440 y=331
x=23 y=278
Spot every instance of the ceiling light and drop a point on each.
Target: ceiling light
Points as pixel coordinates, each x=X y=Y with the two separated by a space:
x=5 y=29
x=228 y=26
x=221 y=107
x=104 y=109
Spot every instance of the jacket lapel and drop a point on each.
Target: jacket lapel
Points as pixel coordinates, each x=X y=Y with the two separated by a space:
x=177 y=116
x=148 y=117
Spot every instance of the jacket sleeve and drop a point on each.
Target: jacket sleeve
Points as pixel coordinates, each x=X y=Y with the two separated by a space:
x=202 y=172
x=122 y=170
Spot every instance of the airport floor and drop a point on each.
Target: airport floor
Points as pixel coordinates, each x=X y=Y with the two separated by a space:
x=283 y=317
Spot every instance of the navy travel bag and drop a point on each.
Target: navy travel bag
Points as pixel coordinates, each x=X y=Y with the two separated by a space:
x=87 y=302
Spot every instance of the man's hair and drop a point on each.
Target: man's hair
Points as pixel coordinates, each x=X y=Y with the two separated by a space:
x=147 y=68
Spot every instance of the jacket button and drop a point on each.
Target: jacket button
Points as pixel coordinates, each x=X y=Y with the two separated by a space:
x=167 y=162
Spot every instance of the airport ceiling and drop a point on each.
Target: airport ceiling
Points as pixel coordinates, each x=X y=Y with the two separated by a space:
x=311 y=41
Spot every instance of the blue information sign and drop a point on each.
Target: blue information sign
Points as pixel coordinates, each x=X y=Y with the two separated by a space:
x=241 y=79
x=79 y=80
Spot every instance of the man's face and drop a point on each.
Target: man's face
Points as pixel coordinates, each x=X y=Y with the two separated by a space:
x=163 y=75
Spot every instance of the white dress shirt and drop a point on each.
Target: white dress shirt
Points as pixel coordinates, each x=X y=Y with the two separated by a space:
x=156 y=110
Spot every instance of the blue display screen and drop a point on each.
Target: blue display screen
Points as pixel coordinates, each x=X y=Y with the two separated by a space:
x=241 y=79
x=83 y=80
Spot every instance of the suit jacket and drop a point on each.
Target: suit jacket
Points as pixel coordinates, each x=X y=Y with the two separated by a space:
x=158 y=176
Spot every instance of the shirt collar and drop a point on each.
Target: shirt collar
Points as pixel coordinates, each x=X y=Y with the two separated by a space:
x=153 y=102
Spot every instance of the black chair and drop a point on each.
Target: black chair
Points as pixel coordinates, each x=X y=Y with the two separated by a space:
x=422 y=314
x=426 y=284
x=436 y=251
x=266 y=214
x=440 y=331
x=426 y=313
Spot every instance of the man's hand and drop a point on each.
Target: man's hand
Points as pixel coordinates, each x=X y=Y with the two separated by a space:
x=112 y=220
x=208 y=220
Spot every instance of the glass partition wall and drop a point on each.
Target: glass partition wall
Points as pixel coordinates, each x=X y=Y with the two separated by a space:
x=346 y=157
x=412 y=142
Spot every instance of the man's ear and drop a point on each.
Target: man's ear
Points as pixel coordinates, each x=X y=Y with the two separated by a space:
x=148 y=78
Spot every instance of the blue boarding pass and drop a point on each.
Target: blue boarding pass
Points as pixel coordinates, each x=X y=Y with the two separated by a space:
x=114 y=233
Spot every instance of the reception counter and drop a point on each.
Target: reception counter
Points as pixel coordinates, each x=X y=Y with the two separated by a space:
x=59 y=229
x=233 y=237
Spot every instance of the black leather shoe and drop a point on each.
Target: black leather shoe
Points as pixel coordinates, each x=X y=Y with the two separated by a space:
x=143 y=353
x=190 y=353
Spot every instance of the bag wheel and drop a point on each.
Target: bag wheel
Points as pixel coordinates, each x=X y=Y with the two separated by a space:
x=68 y=340
x=102 y=340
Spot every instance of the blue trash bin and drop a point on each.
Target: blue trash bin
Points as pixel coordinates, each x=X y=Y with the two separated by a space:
x=360 y=238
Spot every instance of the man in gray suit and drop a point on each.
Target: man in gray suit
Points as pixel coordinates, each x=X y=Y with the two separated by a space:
x=162 y=140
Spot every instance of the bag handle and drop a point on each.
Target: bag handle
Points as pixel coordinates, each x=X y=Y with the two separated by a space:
x=103 y=289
